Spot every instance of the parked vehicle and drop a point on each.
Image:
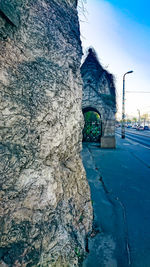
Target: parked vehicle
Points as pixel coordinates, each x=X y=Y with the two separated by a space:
x=134 y=126
x=140 y=128
x=146 y=128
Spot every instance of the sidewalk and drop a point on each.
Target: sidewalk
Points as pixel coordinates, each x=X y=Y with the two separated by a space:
x=109 y=246
x=121 y=200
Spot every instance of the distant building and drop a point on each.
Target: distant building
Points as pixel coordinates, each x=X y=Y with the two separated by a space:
x=99 y=96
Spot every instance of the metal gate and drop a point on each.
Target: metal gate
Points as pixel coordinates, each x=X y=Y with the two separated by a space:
x=92 y=131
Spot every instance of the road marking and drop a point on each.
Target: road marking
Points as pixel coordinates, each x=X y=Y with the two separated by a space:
x=133 y=142
x=136 y=133
x=145 y=146
x=125 y=144
x=136 y=143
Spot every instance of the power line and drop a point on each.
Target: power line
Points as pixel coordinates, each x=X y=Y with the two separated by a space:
x=138 y=92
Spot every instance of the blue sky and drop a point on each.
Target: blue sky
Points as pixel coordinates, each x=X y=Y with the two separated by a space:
x=136 y=9
x=120 y=33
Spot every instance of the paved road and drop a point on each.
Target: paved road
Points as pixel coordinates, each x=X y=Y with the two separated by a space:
x=125 y=172
x=142 y=137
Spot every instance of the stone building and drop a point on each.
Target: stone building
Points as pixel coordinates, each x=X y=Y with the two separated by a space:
x=99 y=96
x=45 y=205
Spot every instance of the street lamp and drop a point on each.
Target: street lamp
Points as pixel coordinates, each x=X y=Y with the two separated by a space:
x=139 y=120
x=123 y=106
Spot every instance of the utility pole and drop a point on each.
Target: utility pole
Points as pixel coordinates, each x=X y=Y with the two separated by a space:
x=139 y=117
x=123 y=106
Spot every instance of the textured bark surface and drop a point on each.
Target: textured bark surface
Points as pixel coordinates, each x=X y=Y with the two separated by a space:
x=45 y=200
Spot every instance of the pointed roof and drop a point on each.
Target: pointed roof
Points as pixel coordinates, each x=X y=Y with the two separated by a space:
x=91 y=64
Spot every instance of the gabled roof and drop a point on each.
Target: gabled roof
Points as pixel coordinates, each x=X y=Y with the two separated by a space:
x=92 y=65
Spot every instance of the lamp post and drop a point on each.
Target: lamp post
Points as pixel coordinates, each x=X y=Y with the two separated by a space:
x=123 y=106
x=139 y=120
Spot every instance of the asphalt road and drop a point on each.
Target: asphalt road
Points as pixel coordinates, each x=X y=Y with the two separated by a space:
x=125 y=172
x=142 y=137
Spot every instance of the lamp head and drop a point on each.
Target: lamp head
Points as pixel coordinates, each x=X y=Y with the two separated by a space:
x=130 y=71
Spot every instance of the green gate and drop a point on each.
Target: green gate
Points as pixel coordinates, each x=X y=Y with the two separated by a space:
x=92 y=131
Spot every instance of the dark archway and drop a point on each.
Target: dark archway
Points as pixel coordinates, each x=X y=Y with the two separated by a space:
x=84 y=110
x=92 y=131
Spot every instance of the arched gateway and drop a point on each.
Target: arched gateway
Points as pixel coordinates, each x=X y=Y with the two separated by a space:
x=99 y=96
x=92 y=131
